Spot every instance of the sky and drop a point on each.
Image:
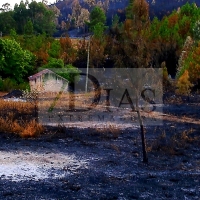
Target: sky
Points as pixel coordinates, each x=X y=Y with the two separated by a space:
x=13 y=2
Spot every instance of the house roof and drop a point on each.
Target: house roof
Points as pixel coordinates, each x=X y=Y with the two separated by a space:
x=45 y=71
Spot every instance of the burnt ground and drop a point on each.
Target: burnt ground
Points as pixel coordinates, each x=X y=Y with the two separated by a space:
x=75 y=163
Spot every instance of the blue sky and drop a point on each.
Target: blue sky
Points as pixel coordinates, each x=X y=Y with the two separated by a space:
x=13 y=2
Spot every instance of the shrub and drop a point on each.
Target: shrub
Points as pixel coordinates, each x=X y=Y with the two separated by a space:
x=185 y=57
x=173 y=144
x=18 y=107
x=191 y=64
x=25 y=129
x=165 y=72
x=1 y=83
x=9 y=84
x=194 y=66
x=15 y=62
x=54 y=63
x=32 y=129
x=183 y=84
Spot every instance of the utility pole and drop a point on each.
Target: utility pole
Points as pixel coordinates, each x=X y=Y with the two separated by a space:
x=88 y=62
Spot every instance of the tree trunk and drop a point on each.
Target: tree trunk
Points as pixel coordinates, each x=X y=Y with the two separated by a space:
x=142 y=131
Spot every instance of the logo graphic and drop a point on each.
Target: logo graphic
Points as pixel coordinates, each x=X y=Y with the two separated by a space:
x=101 y=97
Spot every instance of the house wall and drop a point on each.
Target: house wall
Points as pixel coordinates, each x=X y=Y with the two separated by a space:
x=36 y=84
x=48 y=83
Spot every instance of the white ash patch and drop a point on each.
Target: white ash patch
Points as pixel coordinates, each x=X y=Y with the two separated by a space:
x=34 y=166
x=15 y=99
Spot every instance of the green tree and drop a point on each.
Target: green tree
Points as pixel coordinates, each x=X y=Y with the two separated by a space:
x=54 y=63
x=13 y=34
x=28 y=28
x=7 y=22
x=15 y=62
x=97 y=47
x=131 y=50
x=97 y=19
x=70 y=73
x=132 y=46
x=20 y=16
x=196 y=31
x=98 y=30
x=55 y=49
x=42 y=17
x=129 y=10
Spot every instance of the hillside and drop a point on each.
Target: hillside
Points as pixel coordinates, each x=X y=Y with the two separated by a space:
x=74 y=13
x=158 y=8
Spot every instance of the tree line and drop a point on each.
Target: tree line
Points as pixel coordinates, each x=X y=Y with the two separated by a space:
x=28 y=18
x=171 y=42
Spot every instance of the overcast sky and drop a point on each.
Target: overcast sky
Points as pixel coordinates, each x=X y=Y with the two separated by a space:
x=13 y=2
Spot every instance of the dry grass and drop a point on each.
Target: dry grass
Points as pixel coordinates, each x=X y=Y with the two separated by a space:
x=25 y=129
x=110 y=131
x=77 y=42
x=32 y=129
x=172 y=145
x=115 y=147
x=3 y=93
x=13 y=119
x=19 y=107
x=55 y=104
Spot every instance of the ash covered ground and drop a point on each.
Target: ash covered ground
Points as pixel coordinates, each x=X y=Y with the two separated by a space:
x=83 y=163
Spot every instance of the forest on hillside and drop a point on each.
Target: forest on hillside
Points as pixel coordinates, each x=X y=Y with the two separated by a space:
x=64 y=15
x=171 y=42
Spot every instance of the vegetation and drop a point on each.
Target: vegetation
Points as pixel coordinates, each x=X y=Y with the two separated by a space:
x=15 y=62
x=27 y=43
x=25 y=130
x=11 y=115
x=183 y=84
x=136 y=42
x=28 y=18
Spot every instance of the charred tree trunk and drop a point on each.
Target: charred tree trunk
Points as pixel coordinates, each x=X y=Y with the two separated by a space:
x=142 y=131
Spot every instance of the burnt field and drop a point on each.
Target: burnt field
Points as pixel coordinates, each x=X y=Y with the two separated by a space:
x=95 y=163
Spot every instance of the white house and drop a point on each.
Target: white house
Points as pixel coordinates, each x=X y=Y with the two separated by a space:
x=47 y=81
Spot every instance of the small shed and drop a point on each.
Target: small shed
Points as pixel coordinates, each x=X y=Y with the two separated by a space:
x=47 y=81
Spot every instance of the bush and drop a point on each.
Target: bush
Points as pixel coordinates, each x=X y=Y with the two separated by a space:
x=16 y=63
x=184 y=84
x=1 y=83
x=54 y=63
x=9 y=84
x=191 y=64
x=17 y=118
x=70 y=73
x=27 y=129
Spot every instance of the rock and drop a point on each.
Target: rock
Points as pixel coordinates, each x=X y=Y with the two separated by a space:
x=13 y=94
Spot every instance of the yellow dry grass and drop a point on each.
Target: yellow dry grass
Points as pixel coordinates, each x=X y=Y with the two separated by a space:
x=9 y=123
x=24 y=129
x=171 y=145
x=19 y=107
